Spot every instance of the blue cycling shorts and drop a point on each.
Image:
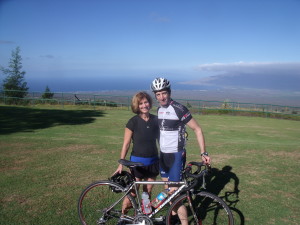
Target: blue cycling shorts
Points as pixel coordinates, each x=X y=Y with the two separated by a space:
x=172 y=164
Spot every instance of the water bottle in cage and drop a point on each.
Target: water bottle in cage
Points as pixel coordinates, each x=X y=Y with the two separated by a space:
x=160 y=198
x=146 y=206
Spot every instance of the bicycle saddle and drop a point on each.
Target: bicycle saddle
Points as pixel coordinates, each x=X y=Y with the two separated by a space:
x=128 y=163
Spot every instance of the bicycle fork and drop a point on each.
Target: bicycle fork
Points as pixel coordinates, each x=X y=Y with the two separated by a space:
x=192 y=208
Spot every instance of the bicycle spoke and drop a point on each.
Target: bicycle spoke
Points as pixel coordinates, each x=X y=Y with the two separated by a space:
x=212 y=210
x=97 y=205
x=208 y=210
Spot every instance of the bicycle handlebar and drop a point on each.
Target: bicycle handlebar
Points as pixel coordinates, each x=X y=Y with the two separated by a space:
x=200 y=172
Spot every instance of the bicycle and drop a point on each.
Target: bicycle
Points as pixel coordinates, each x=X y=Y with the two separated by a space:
x=101 y=202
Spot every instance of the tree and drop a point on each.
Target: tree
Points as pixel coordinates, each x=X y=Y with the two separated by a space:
x=47 y=93
x=14 y=84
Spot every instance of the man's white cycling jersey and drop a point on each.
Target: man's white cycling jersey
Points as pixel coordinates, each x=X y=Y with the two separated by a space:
x=172 y=121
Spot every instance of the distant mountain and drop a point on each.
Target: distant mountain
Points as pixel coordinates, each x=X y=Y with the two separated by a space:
x=272 y=76
x=267 y=83
x=273 y=83
x=283 y=82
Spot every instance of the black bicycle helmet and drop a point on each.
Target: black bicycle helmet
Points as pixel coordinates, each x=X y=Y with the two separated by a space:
x=159 y=84
x=123 y=179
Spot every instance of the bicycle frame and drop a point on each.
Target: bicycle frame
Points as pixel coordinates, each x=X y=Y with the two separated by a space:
x=183 y=185
x=133 y=186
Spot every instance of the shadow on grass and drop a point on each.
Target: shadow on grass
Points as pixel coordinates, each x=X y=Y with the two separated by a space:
x=216 y=181
x=18 y=119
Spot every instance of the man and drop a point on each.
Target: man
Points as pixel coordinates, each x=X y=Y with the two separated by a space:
x=173 y=118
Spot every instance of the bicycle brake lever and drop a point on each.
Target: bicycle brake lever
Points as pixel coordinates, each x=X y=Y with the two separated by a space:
x=203 y=182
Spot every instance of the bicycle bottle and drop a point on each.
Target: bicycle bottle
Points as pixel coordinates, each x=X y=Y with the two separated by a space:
x=160 y=198
x=146 y=206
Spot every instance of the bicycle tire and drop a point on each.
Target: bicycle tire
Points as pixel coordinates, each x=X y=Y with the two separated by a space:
x=96 y=198
x=209 y=210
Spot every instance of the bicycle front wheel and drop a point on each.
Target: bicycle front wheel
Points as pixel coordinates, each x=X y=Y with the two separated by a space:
x=101 y=203
x=205 y=209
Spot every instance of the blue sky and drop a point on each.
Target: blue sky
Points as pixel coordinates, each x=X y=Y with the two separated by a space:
x=82 y=45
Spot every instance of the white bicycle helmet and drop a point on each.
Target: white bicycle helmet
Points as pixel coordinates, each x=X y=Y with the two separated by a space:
x=160 y=84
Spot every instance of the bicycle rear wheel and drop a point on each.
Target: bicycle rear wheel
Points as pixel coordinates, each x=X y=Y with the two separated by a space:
x=208 y=208
x=98 y=204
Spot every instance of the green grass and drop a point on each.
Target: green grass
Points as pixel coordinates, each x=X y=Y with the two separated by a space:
x=47 y=156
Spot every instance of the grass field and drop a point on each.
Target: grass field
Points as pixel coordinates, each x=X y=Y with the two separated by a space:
x=47 y=156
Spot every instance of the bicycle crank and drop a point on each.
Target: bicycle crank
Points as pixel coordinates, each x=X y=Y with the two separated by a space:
x=142 y=220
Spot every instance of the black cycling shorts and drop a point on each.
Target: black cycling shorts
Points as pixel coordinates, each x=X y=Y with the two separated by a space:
x=144 y=172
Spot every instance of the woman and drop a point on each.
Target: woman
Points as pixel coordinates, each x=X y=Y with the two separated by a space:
x=143 y=130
